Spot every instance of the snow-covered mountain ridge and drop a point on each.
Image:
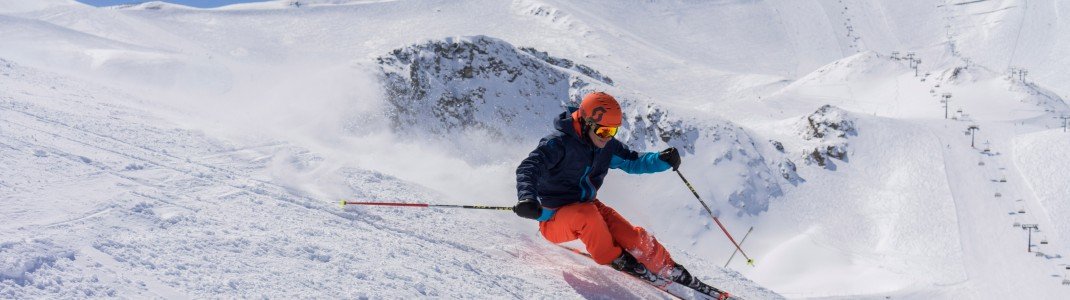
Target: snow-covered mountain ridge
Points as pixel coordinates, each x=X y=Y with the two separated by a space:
x=904 y=128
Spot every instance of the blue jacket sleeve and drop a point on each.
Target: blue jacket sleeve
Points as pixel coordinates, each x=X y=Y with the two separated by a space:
x=545 y=156
x=634 y=163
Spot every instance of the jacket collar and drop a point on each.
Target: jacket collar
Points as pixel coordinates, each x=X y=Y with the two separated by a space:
x=564 y=123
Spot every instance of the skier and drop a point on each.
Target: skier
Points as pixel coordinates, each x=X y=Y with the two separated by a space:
x=558 y=186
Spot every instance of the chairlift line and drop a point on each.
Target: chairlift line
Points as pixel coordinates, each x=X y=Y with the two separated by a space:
x=1029 y=242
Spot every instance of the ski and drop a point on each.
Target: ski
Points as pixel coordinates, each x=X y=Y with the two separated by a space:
x=673 y=289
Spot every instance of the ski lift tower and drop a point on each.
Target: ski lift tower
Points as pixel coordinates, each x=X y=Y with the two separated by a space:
x=1030 y=228
x=946 y=102
x=1064 y=118
x=972 y=132
x=1018 y=72
x=1066 y=279
x=914 y=62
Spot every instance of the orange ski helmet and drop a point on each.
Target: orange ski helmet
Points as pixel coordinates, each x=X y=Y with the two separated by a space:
x=598 y=108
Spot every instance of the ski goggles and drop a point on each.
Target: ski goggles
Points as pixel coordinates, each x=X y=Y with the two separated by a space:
x=605 y=132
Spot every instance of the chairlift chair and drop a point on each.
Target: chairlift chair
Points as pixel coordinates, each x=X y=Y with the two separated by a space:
x=1017 y=225
x=999 y=195
x=1044 y=241
x=1021 y=211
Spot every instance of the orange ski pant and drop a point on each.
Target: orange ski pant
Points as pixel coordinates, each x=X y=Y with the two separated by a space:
x=605 y=233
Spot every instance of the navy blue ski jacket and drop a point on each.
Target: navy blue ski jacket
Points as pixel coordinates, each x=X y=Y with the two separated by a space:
x=565 y=168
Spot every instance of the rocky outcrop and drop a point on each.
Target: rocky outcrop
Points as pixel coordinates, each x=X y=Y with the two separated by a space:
x=479 y=82
x=827 y=129
x=568 y=65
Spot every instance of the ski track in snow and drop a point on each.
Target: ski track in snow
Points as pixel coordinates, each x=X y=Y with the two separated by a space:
x=164 y=182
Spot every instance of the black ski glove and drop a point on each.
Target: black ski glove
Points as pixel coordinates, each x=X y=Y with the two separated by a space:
x=528 y=208
x=670 y=156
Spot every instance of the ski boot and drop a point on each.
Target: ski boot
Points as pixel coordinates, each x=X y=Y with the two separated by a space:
x=628 y=264
x=680 y=275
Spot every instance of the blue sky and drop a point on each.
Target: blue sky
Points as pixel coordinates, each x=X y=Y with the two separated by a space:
x=194 y=3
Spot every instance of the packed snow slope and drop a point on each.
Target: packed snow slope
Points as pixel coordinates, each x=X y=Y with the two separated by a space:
x=157 y=150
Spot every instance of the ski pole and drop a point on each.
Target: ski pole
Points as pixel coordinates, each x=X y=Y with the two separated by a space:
x=718 y=221
x=343 y=203
x=744 y=240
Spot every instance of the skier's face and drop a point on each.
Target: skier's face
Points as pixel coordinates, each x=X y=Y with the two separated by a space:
x=597 y=140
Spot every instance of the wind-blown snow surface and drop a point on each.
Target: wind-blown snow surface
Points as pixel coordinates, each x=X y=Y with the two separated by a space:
x=161 y=150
